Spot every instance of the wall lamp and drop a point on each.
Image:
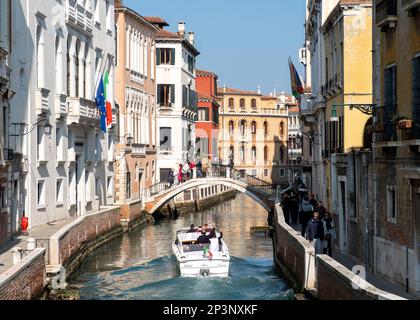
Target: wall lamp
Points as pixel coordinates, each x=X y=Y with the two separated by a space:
x=369 y=109
x=47 y=128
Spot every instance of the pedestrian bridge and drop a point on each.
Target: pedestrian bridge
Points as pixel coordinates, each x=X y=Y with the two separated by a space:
x=260 y=191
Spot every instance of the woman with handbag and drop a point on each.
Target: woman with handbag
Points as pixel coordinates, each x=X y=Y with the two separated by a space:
x=328 y=233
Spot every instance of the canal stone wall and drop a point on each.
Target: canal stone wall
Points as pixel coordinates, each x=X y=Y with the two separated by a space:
x=26 y=279
x=335 y=281
x=72 y=243
x=293 y=255
x=130 y=212
x=319 y=276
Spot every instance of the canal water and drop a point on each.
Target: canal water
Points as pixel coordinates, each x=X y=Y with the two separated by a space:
x=140 y=265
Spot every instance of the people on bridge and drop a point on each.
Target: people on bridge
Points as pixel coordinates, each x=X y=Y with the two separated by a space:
x=321 y=209
x=316 y=233
x=203 y=239
x=180 y=174
x=199 y=169
x=171 y=178
x=313 y=201
x=286 y=206
x=305 y=214
x=294 y=207
x=329 y=233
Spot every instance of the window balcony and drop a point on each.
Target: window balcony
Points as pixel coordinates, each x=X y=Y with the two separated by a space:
x=79 y=17
x=138 y=150
x=61 y=106
x=82 y=111
x=410 y=5
x=386 y=14
x=42 y=97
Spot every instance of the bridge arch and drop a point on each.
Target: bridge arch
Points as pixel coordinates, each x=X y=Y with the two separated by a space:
x=162 y=199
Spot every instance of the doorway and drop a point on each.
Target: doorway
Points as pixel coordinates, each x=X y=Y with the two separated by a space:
x=342 y=213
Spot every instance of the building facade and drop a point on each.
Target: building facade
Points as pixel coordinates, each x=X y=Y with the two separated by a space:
x=207 y=125
x=396 y=222
x=176 y=97
x=6 y=197
x=254 y=134
x=65 y=161
x=135 y=86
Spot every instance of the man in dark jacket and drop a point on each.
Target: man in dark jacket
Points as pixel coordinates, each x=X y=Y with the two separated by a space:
x=316 y=233
x=285 y=205
x=294 y=207
x=203 y=239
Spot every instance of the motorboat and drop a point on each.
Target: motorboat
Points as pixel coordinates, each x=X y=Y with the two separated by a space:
x=196 y=259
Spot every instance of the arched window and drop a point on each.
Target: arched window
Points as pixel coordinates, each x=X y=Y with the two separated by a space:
x=254 y=154
x=253 y=103
x=265 y=154
x=231 y=103
x=281 y=128
x=232 y=152
x=231 y=127
x=243 y=127
x=265 y=128
x=68 y=66
x=58 y=64
x=242 y=103
x=77 y=69
x=242 y=153
x=40 y=56
x=281 y=153
x=254 y=127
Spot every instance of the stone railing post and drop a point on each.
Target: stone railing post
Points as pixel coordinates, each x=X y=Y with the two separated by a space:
x=31 y=244
x=16 y=255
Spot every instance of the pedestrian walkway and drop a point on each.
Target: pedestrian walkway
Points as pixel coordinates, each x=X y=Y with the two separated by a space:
x=40 y=232
x=373 y=279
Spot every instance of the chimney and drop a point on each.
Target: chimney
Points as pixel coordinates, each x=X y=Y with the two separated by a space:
x=259 y=89
x=181 y=28
x=191 y=38
x=224 y=88
x=118 y=3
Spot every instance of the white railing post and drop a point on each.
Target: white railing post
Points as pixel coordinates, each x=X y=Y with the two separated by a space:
x=16 y=255
x=31 y=244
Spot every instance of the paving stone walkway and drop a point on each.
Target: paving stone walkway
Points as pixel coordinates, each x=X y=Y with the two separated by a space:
x=373 y=279
x=40 y=232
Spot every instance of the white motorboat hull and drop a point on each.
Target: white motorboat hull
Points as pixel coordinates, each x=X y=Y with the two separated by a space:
x=204 y=268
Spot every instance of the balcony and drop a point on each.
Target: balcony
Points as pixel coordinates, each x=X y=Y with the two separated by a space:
x=82 y=111
x=269 y=111
x=410 y=5
x=136 y=77
x=386 y=14
x=42 y=97
x=79 y=17
x=138 y=150
x=61 y=106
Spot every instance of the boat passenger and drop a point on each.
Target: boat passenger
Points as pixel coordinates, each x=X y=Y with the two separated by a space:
x=203 y=239
x=214 y=241
x=192 y=229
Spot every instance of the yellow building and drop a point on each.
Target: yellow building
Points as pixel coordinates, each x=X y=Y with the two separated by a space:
x=254 y=133
x=397 y=147
x=347 y=69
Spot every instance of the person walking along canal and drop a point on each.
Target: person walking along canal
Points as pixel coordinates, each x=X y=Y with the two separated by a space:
x=316 y=233
x=329 y=233
x=305 y=214
x=285 y=204
x=294 y=208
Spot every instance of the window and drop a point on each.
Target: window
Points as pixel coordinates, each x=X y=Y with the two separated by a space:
x=215 y=115
x=203 y=114
x=254 y=154
x=282 y=172
x=165 y=139
x=265 y=154
x=281 y=153
x=166 y=94
x=265 y=172
x=253 y=103
x=58 y=65
x=391 y=204
x=281 y=128
x=231 y=128
x=41 y=193
x=77 y=66
x=231 y=103
x=254 y=127
x=128 y=185
x=59 y=197
x=390 y=100
x=59 y=151
x=242 y=153
x=243 y=127
x=40 y=56
x=242 y=103
x=109 y=187
x=416 y=94
x=108 y=15
x=232 y=152
x=191 y=64
x=266 y=128
x=40 y=143
x=165 y=56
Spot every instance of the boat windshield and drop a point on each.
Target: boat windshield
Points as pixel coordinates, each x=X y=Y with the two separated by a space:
x=194 y=247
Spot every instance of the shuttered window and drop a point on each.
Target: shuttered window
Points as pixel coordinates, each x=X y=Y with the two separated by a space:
x=390 y=100
x=165 y=56
x=416 y=95
x=165 y=94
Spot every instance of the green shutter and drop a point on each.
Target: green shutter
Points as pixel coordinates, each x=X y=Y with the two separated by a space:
x=159 y=94
x=172 y=93
x=173 y=56
x=158 y=56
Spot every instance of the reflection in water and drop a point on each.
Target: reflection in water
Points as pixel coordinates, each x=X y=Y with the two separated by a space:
x=140 y=265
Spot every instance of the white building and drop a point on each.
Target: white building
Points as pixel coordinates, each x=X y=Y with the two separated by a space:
x=176 y=98
x=66 y=161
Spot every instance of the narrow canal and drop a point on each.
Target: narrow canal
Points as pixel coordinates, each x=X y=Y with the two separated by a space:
x=140 y=265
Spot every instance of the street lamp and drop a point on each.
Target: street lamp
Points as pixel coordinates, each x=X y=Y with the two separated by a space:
x=48 y=129
x=369 y=109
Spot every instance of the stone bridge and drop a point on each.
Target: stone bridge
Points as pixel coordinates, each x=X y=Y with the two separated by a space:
x=260 y=191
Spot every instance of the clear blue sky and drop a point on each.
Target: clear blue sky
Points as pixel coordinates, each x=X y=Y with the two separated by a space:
x=247 y=43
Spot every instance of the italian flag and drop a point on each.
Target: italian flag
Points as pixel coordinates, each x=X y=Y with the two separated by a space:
x=108 y=104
